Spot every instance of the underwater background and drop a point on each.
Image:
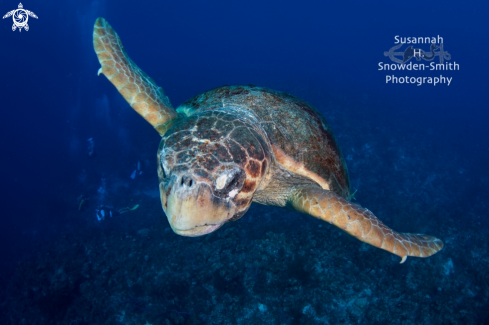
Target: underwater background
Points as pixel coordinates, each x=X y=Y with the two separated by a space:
x=418 y=157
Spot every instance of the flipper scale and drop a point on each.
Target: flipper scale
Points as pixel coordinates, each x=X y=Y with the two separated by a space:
x=137 y=88
x=361 y=223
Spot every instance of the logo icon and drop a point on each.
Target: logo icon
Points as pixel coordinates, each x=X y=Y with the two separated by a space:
x=20 y=17
x=419 y=54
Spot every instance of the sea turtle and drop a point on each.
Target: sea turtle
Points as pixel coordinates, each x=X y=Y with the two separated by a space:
x=234 y=145
x=20 y=17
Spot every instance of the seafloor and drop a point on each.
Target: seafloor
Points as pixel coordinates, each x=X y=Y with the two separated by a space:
x=272 y=266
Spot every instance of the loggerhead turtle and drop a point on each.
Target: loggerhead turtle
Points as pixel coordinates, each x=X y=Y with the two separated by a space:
x=234 y=145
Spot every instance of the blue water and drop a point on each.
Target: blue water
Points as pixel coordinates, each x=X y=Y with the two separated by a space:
x=417 y=155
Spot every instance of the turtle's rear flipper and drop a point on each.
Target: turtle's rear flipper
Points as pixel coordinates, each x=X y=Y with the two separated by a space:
x=137 y=88
x=361 y=223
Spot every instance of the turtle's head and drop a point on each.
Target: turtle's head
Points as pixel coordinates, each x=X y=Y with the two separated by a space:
x=209 y=167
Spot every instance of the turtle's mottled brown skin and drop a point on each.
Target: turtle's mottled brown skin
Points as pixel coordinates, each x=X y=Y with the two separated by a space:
x=234 y=145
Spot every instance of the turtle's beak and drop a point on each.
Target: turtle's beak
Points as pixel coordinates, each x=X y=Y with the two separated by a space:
x=191 y=207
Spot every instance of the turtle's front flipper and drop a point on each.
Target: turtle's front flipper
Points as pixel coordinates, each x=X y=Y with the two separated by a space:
x=361 y=223
x=137 y=88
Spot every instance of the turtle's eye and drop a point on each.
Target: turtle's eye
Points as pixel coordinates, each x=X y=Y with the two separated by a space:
x=229 y=183
x=164 y=168
x=166 y=172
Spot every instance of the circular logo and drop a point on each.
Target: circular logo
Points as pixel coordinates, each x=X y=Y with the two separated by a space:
x=20 y=18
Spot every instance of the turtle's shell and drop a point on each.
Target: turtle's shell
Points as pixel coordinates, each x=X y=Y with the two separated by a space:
x=301 y=139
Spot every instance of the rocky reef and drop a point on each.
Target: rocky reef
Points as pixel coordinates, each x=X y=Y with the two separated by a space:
x=270 y=267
